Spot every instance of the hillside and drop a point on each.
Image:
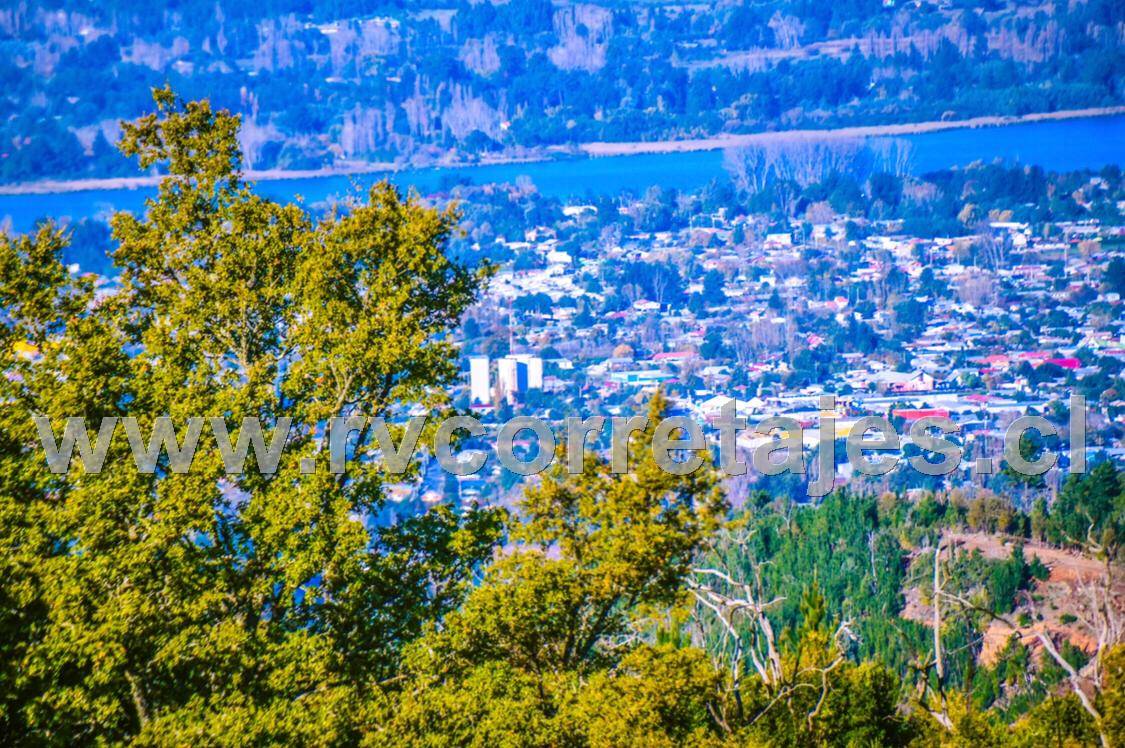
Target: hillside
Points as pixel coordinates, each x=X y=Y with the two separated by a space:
x=342 y=85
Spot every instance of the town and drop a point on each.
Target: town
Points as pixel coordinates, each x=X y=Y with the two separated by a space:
x=590 y=314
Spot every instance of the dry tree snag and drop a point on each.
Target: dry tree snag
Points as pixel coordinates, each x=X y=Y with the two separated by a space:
x=1100 y=613
x=741 y=611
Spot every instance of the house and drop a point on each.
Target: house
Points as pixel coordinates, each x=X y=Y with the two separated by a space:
x=673 y=357
x=639 y=377
x=916 y=414
x=905 y=381
x=711 y=409
x=1068 y=362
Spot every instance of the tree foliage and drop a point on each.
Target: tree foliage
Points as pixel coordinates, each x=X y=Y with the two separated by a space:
x=202 y=602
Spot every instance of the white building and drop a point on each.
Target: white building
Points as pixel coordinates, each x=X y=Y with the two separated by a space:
x=519 y=373
x=480 y=383
x=534 y=366
x=509 y=373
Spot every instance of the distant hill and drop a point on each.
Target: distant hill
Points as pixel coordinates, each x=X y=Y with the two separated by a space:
x=336 y=84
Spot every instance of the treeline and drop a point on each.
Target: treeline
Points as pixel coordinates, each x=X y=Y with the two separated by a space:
x=817 y=181
x=322 y=84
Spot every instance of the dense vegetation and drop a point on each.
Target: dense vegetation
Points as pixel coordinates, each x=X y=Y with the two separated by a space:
x=260 y=608
x=318 y=84
x=859 y=555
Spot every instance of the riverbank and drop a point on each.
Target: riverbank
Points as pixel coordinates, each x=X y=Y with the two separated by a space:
x=54 y=186
x=606 y=149
x=864 y=131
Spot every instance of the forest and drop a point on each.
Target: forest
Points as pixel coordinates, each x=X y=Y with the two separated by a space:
x=201 y=607
x=333 y=85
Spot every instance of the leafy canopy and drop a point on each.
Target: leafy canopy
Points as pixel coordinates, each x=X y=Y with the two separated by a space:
x=142 y=604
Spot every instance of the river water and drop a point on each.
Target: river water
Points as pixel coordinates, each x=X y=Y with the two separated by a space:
x=1054 y=145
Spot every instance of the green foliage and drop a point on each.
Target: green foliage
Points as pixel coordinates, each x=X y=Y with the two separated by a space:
x=860 y=707
x=1058 y=721
x=175 y=604
x=596 y=555
x=1010 y=577
x=1091 y=508
x=1112 y=698
x=843 y=547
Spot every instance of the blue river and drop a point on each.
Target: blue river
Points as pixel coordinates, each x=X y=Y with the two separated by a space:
x=1054 y=145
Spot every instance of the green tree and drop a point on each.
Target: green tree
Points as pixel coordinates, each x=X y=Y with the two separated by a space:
x=1090 y=510
x=256 y=606
x=550 y=644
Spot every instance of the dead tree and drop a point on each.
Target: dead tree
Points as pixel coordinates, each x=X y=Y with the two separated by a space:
x=741 y=609
x=1102 y=615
